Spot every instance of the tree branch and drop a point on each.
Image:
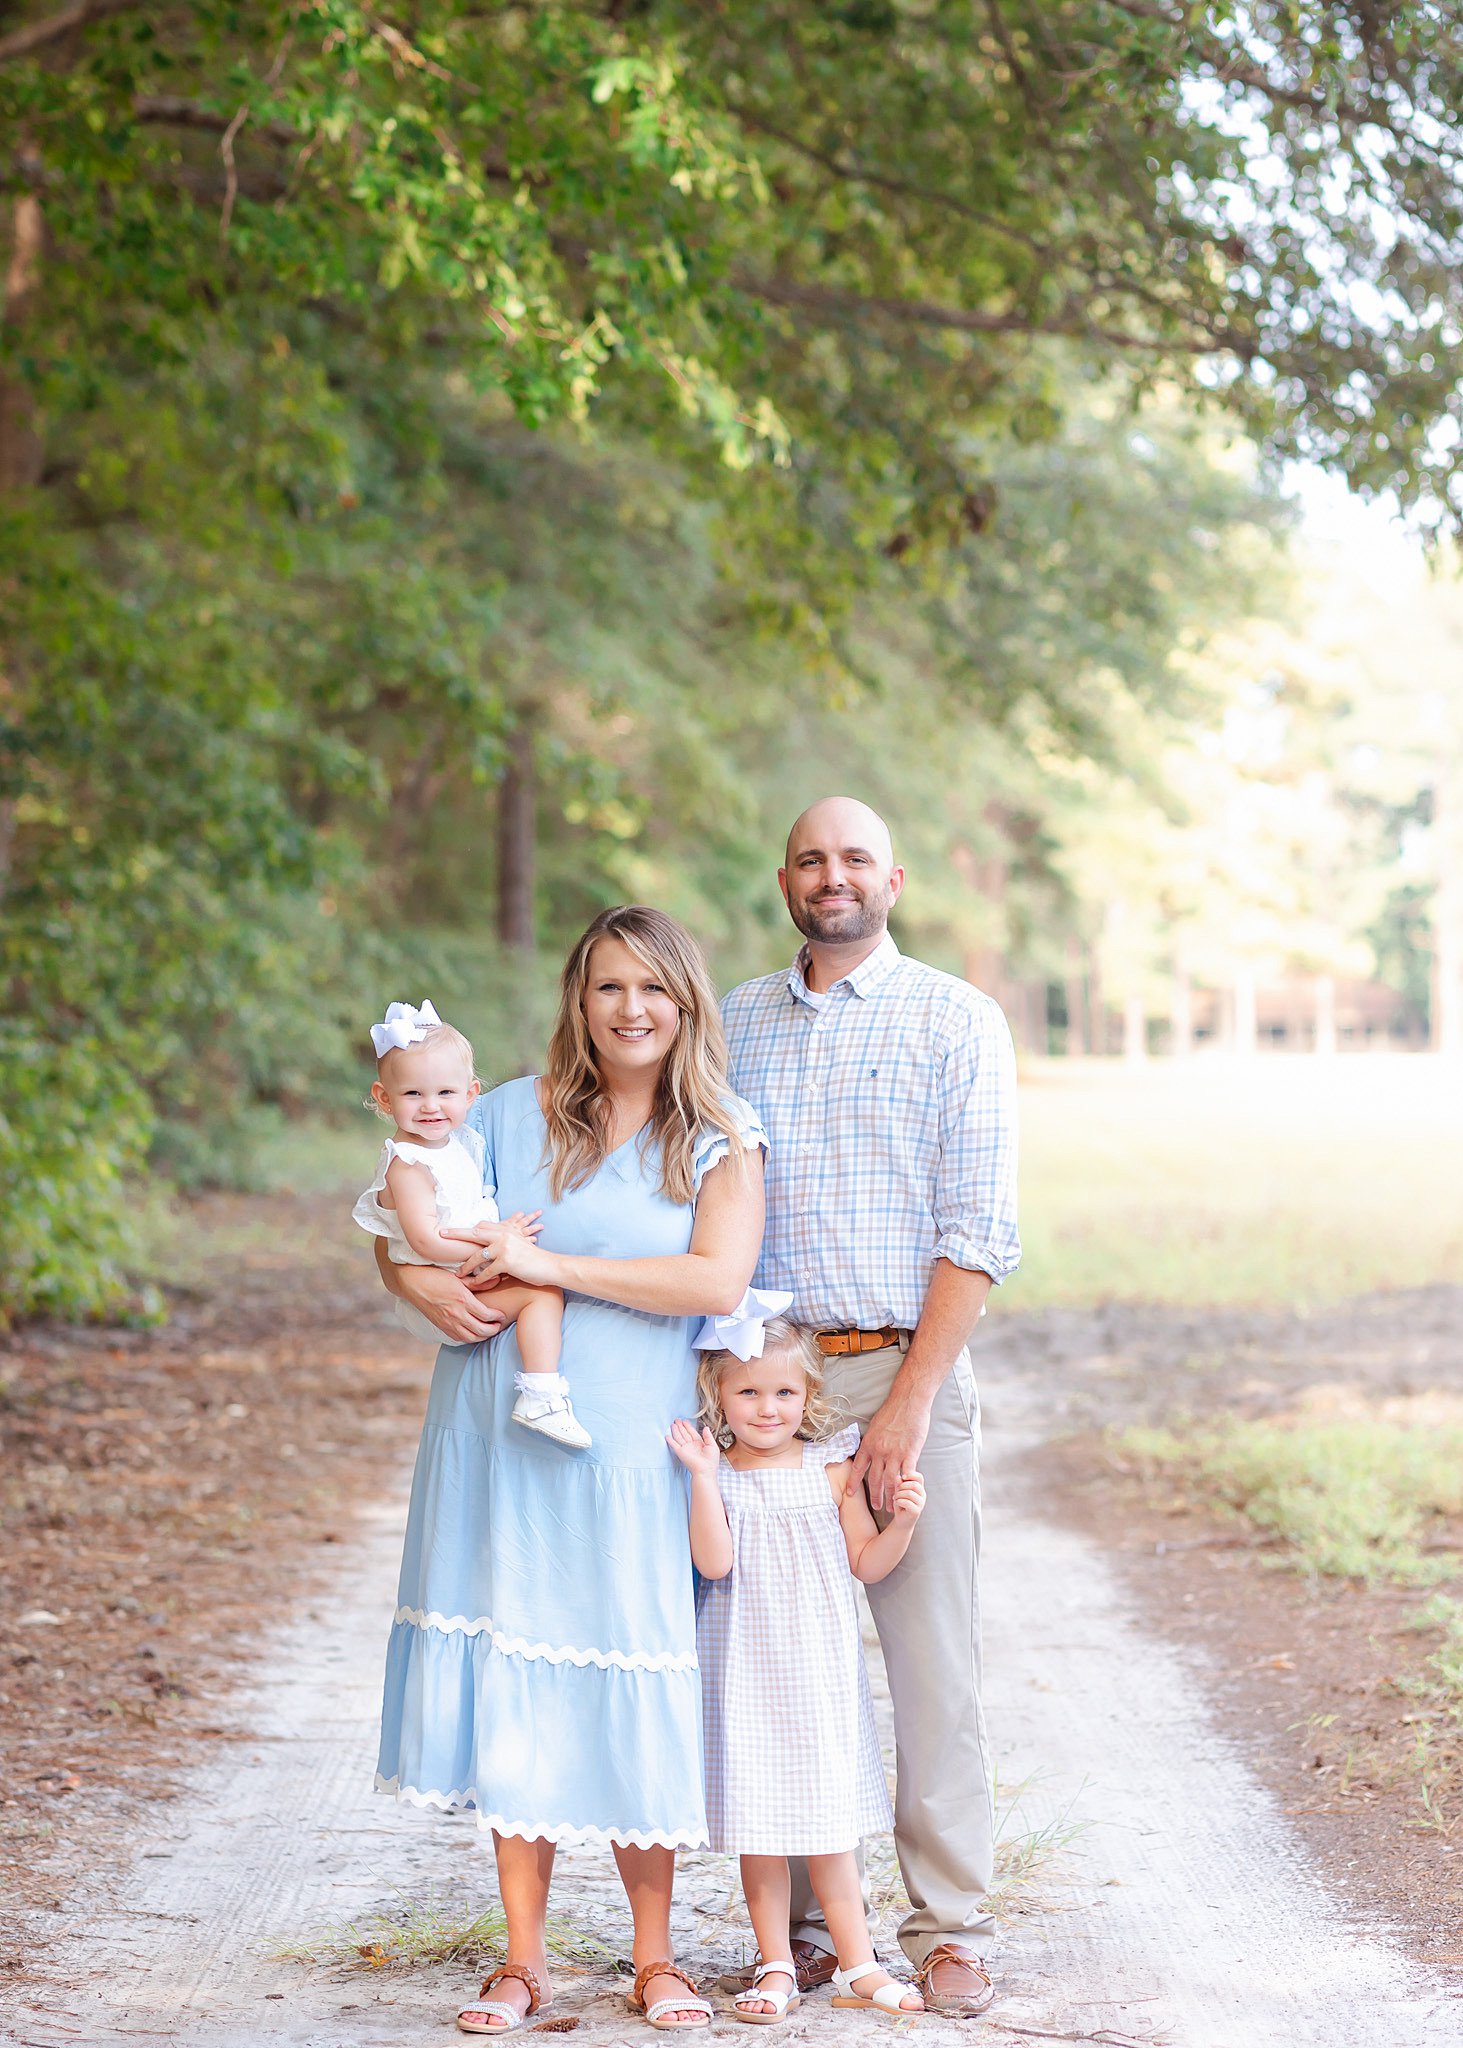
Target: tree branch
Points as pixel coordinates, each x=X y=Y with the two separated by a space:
x=171 y=112
x=816 y=299
x=36 y=34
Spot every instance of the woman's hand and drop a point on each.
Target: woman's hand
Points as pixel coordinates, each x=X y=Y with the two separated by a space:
x=510 y=1256
x=456 y=1310
x=697 y=1450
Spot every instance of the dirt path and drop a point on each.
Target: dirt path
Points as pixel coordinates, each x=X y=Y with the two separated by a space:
x=1183 y=1914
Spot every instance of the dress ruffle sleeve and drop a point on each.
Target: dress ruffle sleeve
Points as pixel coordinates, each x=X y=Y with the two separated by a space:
x=713 y=1145
x=832 y=1450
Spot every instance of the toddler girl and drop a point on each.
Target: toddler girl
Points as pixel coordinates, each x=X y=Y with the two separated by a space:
x=792 y=1760
x=429 y=1178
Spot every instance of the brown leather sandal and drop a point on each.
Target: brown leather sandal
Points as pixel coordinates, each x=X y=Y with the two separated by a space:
x=655 y=2015
x=964 y=2003
x=499 y=2007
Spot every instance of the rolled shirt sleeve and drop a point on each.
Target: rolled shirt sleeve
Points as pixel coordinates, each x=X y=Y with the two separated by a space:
x=975 y=1181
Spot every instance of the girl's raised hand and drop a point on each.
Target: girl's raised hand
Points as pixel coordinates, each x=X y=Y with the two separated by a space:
x=697 y=1450
x=909 y=1498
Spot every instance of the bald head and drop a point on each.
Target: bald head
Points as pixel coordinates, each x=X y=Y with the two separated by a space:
x=841 y=822
x=840 y=880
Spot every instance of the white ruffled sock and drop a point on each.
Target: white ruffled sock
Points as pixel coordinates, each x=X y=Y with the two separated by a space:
x=545 y=1384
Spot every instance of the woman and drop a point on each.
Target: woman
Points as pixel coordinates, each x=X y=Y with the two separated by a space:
x=543 y=1661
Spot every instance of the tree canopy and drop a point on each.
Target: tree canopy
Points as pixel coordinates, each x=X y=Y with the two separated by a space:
x=458 y=459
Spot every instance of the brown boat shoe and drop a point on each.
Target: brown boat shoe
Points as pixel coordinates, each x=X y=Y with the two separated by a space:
x=955 y=1981
x=814 y=1966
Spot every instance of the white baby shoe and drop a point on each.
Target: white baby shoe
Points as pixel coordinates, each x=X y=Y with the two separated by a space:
x=543 y=1404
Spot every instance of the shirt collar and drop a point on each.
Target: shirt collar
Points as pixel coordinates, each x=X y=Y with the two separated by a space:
x=860 y=982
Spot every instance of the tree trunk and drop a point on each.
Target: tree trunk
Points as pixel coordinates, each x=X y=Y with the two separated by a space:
x=1246 y=1018
x=1076 y=988
x=1135 y=1031
x=1325 y=1015
x=20 y=437
x=517 y=806
x=1447 y=975
x=1181 y=1015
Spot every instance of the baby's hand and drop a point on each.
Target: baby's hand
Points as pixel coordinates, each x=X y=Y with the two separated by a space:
x=909 y=1498
x=697 y=1450
x=523 y=1223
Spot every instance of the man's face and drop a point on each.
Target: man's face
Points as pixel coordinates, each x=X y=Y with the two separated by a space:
x=838 y=890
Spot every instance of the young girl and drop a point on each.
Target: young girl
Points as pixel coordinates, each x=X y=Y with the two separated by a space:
x=792 y=1760
x=429 y=1178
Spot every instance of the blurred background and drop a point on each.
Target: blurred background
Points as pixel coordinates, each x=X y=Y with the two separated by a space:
x=464 y=469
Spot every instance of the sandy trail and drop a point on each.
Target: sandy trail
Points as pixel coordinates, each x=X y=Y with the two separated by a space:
x=1182 y=1915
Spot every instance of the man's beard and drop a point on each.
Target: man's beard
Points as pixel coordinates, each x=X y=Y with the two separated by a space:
x=842 y=921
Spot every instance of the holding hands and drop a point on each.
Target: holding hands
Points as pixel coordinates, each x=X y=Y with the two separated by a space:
x=504 y=1250
x=909 y=1500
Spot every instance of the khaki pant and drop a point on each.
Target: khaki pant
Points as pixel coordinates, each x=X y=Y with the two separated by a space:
x=928 y=1616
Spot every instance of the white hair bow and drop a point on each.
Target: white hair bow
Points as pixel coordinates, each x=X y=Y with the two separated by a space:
x=402 y=1026
x=742 y=1332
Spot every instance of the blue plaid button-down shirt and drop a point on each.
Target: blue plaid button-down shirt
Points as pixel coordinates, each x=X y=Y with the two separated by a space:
x=891 y=1110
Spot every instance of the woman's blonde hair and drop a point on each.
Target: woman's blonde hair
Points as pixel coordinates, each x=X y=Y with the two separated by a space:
x=780 y=1339
x=691 y=1095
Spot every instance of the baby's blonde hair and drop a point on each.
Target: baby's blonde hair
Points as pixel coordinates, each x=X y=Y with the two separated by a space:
x=436 y=1034
x=781 y=1339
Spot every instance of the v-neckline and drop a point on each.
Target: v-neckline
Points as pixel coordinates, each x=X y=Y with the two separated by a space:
x=637 y=1133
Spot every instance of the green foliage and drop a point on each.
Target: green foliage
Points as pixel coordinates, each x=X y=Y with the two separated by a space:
x=1348 y=1498
x=72 y=1126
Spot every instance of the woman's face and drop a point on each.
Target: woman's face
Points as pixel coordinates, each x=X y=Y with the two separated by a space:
x=631 y=1015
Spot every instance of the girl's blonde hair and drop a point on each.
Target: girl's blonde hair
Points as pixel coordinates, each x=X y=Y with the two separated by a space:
x=691 y=1093
x=780 y=1339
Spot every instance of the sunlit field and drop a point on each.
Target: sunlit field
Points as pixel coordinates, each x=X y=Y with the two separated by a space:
x=1281 y=1180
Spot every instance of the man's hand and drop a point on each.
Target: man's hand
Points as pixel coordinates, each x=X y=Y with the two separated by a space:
x=445 y=1301
x=891 y=1447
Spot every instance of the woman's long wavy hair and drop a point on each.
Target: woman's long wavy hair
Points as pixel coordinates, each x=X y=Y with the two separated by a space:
x=692 y=1095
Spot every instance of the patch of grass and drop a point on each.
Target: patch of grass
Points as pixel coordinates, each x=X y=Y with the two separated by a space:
x=1358 y=1496
x=1283 y=1181
x=1027 y=1855
x=425 y=1931
x=1351 y=1497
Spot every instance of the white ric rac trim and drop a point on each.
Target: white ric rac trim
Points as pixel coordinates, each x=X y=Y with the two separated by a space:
x=551 y=1653
x=542 y=1830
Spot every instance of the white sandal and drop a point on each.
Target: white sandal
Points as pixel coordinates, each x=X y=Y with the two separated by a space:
x=782 y=2002
x=886 y=1999
x=499 y=2008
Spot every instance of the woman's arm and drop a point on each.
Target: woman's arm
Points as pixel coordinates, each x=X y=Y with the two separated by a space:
x=462 y=1316
x=709 y=1279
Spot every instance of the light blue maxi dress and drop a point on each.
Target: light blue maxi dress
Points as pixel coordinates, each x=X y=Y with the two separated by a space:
x=542 y=1662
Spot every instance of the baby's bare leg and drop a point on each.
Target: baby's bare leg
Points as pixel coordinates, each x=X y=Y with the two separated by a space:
x=538 y=1315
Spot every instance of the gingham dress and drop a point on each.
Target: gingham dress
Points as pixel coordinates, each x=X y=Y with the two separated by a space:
x=792 y=1759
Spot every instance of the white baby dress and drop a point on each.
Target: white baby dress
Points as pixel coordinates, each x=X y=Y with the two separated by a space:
x=457 y=1170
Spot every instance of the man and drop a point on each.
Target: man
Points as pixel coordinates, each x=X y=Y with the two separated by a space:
x=888 y=1091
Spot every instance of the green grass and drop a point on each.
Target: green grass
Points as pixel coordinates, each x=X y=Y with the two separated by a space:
x=1283 y=1180
x=1354 y=1497
x=433 y=1930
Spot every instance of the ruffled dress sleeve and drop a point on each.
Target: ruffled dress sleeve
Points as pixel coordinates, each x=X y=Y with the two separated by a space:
x=713 y=1145
x=368 y=1211
x=832 y=1450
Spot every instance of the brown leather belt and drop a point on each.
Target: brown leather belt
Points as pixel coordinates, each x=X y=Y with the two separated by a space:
x=848 y=1343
